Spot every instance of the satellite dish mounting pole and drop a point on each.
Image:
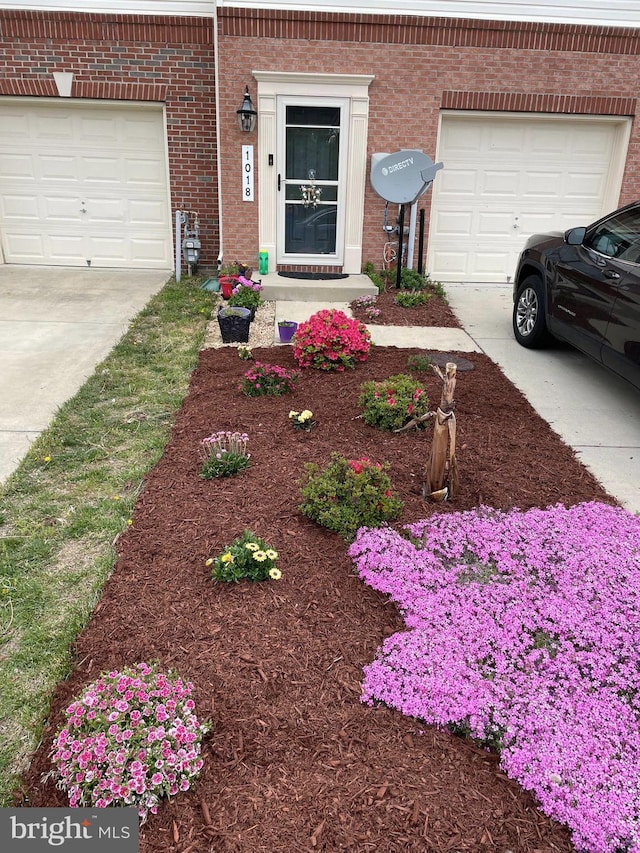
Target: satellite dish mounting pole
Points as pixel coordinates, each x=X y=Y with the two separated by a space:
x=400 y=247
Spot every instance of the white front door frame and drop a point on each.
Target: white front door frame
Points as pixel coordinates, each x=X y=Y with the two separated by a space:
x=355 y=87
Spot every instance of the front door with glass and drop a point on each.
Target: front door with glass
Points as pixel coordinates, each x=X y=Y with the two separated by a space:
x=310 y=204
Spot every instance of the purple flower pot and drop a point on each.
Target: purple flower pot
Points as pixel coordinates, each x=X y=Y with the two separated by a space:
x=287 y=330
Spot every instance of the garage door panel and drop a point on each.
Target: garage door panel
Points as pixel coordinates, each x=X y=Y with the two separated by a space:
x=16 y=167
x=458 y=182
x=493 y=223
x=96 y=174
x=19 y=207
x=63 y=209
x=541 y=184
x=500 y=183
x=506 y=177
x=49 y=168
x=102 y=170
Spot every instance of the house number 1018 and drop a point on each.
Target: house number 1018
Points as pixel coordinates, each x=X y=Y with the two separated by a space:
x=247 y=172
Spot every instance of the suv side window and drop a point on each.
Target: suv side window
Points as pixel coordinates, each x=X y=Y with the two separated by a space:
x=617 y=237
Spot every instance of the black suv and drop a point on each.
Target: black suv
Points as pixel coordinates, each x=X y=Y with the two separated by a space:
x=583 y=287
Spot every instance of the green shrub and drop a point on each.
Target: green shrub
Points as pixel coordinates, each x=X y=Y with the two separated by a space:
x=392 y=403
x=376 y=278
x=419 y=362
x=247 y=558
x=348 y=494
x=412 y=298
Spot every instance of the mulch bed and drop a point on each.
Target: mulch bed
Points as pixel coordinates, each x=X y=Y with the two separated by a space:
x=294 y=762
x=435 y=312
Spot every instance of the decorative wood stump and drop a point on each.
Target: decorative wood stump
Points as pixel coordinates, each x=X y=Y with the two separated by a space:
x=441 y=471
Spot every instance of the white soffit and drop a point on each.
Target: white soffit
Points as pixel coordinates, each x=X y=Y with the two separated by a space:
x=616 y=13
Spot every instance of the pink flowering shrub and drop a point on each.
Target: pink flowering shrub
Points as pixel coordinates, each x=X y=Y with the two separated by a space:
x=330 y=340
x=131 y=738
x=268 y=379
x=392 y=403
x=523 y=633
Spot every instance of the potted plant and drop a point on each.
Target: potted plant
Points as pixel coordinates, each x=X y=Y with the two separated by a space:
x=286 y=330
x=234 y=324
x=228 y=278
x=246 y=294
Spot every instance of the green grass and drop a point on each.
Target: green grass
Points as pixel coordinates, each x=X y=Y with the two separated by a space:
x=73 y=494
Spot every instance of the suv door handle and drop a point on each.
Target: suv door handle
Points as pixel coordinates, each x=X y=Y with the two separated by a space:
x=611 y=274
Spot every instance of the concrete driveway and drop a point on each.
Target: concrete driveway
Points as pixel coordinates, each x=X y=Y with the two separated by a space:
x=591 y=409
x=56 y=324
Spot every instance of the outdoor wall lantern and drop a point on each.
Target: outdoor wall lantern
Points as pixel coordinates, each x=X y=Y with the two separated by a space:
x=246 y=114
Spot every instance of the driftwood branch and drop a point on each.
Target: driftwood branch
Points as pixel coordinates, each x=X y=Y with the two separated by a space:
x=441 y=472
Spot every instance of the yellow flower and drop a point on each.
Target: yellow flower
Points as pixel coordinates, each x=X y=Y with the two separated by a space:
x=227 y=558
x=251 y=546
x=129 y=521
x=271 y=554
x=209 y=562
x=260 y=556
x=293 y=414
x=275 y=574
x=47 y=459
x=304 y=416
x=116 y=497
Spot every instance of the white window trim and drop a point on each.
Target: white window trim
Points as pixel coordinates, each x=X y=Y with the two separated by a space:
x=272 y=84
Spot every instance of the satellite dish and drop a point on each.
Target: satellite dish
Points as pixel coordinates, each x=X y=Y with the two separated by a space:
x=403 y=177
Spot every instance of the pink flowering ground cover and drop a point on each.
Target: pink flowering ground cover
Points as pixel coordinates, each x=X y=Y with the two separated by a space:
x=523 y=632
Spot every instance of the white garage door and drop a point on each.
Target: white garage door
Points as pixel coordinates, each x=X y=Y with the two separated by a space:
x=84 y=184
x=506 y=177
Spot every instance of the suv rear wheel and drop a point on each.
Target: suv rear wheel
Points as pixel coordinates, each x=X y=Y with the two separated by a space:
x=529 y=324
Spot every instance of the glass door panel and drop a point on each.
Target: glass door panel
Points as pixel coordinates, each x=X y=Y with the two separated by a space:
x=311 y=182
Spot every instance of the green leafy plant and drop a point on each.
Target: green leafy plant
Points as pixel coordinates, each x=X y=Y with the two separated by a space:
x=302 y=420
x=419 y=362
x=376 y=278
x=330 y=340
x=246 y=294
x=247 y=558
x=224 y=453
x=394 y=402
x=348 y=494
x=131 y=738
x=268 y=380
x=412 y=298
x=244 y=352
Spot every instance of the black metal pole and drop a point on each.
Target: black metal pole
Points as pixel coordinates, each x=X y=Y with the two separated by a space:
x=420 y=240
x=400 y=247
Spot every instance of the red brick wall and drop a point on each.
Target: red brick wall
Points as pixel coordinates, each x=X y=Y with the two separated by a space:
x=422 y=66
x=135 y=58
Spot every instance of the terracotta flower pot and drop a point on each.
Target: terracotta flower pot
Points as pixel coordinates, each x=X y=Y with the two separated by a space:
x=227 y=283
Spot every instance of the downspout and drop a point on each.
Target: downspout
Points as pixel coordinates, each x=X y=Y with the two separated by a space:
x=217 y=97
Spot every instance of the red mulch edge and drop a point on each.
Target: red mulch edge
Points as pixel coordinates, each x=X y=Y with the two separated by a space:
x=294 y=762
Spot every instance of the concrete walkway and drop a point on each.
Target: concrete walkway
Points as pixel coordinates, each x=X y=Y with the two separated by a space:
x=56 y=325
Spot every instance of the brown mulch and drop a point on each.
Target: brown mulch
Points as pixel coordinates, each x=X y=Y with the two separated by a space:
x=294 y=762
x=435 y=312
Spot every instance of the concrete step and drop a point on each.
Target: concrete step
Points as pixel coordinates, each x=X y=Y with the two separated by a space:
x=345 y=290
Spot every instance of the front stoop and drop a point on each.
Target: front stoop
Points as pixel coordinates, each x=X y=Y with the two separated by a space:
x=279 y=288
